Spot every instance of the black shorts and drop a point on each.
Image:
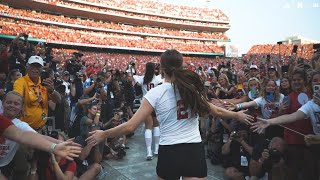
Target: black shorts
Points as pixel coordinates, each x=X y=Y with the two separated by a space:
x=187 y=160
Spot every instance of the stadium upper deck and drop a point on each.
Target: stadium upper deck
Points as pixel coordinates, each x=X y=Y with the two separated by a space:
x=73 y=8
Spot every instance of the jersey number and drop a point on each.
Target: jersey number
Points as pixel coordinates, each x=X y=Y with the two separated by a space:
x=182 y=113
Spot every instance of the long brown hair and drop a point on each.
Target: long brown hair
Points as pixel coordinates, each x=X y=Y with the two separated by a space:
x=189 y=84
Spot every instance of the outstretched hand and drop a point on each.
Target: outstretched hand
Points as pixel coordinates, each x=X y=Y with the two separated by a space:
x=245 y=118
x=67 y=150
x=260 y=125
x=95 y=137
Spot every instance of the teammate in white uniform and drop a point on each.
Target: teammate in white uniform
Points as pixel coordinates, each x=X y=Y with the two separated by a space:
x=178 y=103
x=147 y=82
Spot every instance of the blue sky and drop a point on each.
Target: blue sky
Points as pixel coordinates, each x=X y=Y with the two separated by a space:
x=265 y=21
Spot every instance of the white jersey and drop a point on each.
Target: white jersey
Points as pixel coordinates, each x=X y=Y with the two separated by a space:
x=146 y=87
x=9 y=148
x=265 y=110
x=312 y=111
x=176 y=123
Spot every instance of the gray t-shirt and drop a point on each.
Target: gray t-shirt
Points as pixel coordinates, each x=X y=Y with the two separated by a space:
x=84 y=129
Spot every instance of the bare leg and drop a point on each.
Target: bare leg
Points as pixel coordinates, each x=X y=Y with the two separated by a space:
x=92 y=172
x=148 y=136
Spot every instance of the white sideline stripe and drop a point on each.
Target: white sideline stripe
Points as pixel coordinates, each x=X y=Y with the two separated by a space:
x=133 y=165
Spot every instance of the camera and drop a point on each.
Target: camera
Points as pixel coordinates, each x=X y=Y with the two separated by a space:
x=316 y=88
x=44 y=75
x=58 y=82
x=275 y=155
x=235 y=135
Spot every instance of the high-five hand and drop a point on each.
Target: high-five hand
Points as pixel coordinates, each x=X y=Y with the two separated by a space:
x=95 y=137
x=67 y=150
x=245 y=118
x=260 y=125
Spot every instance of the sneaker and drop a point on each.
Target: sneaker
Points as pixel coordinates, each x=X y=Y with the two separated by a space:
x=102 y=174
x=155 y=153
x=149 y=157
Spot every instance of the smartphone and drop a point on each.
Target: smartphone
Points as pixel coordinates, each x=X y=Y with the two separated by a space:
x=316 y=88
x=286 y=100
x=253 y=92
x=285 y=68
x=295 y=49
x=270 y=96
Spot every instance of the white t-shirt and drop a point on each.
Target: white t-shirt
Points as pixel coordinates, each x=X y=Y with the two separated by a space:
x=265 y=110
x=9 y=148
x=312 y=111
x=146 y=87
x=176 y=124
x=67 y=85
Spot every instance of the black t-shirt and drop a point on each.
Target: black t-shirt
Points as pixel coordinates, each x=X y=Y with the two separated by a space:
x=223 y=95
x=233 y=159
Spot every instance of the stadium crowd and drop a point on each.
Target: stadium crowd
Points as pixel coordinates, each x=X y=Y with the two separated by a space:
x=164 y=8
x=104 y=10
x=99 y=26
x=58 y=34
x=75 y=92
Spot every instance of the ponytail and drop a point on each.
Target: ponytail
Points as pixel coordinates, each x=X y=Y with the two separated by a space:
x=192 y=91
x=188 y=83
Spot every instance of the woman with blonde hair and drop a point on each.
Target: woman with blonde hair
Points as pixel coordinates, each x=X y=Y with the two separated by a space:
x=224 y=90
x=271 y=104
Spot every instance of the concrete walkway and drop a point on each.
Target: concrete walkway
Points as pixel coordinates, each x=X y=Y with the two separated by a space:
x=135 y=167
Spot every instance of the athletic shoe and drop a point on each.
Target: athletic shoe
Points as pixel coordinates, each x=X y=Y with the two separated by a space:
x=155 y=153
x=149 y=157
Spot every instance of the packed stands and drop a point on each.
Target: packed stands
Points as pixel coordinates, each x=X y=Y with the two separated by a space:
x=58 y=35
x=7 y=11
x=101 y=10
x=161 y=9
x=304 y=51
x=121 y=60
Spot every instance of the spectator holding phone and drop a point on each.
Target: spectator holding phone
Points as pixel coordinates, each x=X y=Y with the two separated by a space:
x=310 y=110
x=269 y=102
x=36 y=93
x=17 y=53
x=300 y=158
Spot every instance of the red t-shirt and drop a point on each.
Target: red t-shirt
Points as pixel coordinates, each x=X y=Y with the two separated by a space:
x=50 y=174
x=4 y=124
x=303 y=126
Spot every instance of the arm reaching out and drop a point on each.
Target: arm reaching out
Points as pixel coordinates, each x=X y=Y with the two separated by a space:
x=288 y=118
x=225 y=114
x=65 y=149
x=98 y=136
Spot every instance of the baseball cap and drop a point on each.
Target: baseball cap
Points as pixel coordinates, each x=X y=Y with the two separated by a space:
x=272 y=68
x=35 y=59
x=253 y=66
